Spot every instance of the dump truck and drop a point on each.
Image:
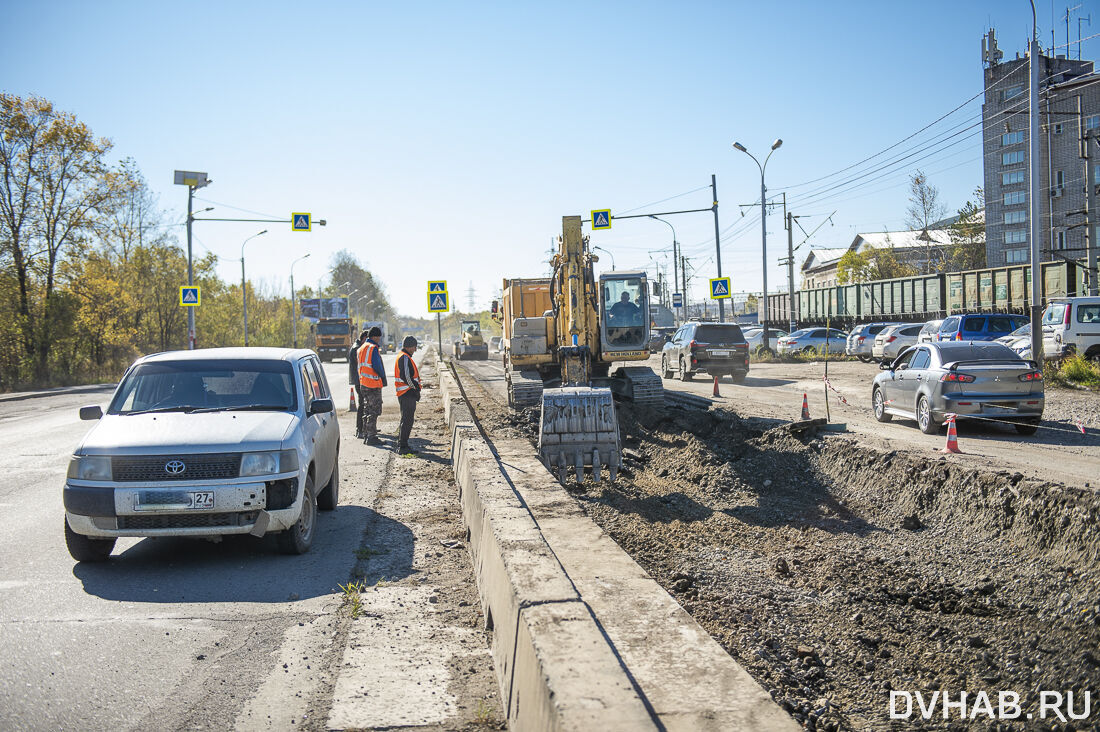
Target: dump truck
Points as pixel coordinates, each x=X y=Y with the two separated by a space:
x=332 y=337
x=563 y=336
x=471 y=346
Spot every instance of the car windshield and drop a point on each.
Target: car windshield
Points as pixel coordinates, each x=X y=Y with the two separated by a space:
x=799 y=333
x=1055 y=313
x=471 y=326
x=208 y=385
x=719 y=334
x=333 y=328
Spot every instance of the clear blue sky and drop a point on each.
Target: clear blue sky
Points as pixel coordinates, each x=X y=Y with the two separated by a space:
x=447 y=140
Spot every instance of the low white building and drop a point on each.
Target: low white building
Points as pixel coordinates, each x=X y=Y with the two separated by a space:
x=915 y=248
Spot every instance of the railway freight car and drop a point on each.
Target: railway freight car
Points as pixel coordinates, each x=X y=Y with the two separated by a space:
x=923 y=297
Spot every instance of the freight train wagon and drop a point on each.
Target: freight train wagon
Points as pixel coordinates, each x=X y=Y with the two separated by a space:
x=924 y=297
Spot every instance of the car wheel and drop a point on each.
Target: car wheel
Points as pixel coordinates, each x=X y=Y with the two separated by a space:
x=85 y=548
x=925 y=420
x=879 y=405
x=864 y=359
x=685 y=375
x=299 y=537
x=666 y=372
x=810 y=351
x=329 y=496
x=1027 y=428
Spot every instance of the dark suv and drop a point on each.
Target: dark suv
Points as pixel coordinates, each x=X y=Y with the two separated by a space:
x=714 y=348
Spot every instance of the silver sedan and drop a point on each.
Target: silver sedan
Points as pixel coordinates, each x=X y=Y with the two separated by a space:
x=893 y=339
x=812 y=341
x=978 y=380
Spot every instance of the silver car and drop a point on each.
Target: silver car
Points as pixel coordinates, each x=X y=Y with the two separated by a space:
x=812 y=340
x=861 y=339
x=755 y=337
x=205 y=443
x=890 y=342
x=929 y=331
x=976 y=379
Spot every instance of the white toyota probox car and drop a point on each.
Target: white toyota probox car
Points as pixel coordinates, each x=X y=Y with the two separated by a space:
x=1071 y=326
x=205 y=443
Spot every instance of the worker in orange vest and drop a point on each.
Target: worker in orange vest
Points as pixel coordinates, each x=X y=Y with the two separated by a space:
x=372 y=377
x=406 y=379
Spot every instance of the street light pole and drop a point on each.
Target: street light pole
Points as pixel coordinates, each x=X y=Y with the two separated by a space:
x=675 y=267
x=762 y=308
x=1034 y=197
x=608 y=254
x=244 y=287
x=193 y=180
x=294 y=299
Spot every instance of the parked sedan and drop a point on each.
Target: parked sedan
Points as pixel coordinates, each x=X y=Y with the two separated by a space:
x=205 y=443
x=968 y=379
x=890 y=342
x=929 y=331
x=861 y=339
x=812 y=340
x=755 y=337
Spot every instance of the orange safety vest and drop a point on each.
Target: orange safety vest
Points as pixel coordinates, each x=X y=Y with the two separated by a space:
x=367 y=376
x=399 y=379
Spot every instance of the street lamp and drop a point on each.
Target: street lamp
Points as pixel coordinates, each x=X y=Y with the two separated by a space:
x=294 y=299
x=675 y=266
x=193 y=180
x=361 y=310
x=762 y=309
x=244 y=290
x=608 y=254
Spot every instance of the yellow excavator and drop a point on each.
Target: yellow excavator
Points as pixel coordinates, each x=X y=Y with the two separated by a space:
x=563 y=357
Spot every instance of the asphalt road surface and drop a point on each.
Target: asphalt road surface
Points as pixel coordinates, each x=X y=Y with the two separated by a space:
x=174 y=633
x=1059 y=451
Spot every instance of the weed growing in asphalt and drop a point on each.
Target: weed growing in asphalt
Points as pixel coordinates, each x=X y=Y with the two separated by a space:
x=483 y=715
x=367 y=553
x=352 y=599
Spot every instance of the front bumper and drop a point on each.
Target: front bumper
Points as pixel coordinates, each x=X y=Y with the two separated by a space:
x=156 y=509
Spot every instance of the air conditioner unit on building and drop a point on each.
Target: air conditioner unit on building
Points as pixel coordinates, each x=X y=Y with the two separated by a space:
x=1056 y=192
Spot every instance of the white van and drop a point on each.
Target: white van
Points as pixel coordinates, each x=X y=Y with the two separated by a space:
x=1072 y=325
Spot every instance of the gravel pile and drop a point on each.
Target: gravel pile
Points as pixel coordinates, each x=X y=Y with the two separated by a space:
x=835 y=573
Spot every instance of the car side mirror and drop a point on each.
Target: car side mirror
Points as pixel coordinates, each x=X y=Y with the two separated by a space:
x=91 y=413
x=885 y=366
x=321 y=406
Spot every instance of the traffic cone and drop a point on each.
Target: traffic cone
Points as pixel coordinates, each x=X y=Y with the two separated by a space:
x=805 y=407
x=952 y=445
x=716 y=387
x=351 y=400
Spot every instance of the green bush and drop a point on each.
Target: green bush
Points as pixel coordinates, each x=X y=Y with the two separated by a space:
x=1080 y=371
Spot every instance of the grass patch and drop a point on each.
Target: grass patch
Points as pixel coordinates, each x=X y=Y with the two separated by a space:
x=353 y=601
x=800 y=357
x=1075 y=371
x=365 y=553
x=483 y=715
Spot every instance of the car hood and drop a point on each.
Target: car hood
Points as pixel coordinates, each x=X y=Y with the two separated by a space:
x=178 y=432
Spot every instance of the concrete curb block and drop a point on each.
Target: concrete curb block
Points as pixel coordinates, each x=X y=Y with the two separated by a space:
x=554 y=665
x=686 y=680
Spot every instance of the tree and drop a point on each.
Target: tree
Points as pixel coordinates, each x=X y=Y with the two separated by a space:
x=968 y=235
x=925 y=209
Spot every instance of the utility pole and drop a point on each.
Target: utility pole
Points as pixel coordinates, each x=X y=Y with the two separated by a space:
x=1090 y=214
x=1035 y=191
x=790 y=265
x=684 y=274
x=717 y=243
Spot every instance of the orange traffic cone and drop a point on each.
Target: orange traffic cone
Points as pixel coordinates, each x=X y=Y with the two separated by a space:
x=351 y=399
x=952 y=437
x=805 y=407
x=716 y=387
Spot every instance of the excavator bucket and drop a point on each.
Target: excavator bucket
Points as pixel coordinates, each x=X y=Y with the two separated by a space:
x=578 y=430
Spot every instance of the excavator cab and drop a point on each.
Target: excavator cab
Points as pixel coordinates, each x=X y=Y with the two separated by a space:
x=624 y=311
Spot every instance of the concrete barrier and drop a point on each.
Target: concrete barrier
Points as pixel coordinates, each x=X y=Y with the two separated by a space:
x=583 y=638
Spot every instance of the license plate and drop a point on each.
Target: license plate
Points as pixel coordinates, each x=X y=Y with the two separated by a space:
x=719 y=353
x=174 y=501
x=202 y=499
x=997 y=409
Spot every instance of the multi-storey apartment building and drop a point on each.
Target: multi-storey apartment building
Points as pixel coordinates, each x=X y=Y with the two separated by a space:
x=1069 y=109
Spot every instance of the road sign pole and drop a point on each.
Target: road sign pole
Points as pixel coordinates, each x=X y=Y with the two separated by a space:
x=190 y=271
x=439 y=333
x=717 y=241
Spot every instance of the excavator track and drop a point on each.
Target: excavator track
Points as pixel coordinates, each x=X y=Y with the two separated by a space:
x=524 y=388
x=641 y=385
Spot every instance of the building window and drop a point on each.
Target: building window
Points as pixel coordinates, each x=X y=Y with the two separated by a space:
x=1011 y=158
x=1059 y=240
x=1091 y=123
x=1016 y=236
x=1015 y=198
x=1015 y=217
x=1096 y=175
x=1057 y=128
x=1015 y=256
x=1012 y=92
x=1059 y=179
x=1012 y=138
x=1016 y=176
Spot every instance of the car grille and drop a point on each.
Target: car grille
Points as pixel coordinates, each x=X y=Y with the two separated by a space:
x=186 y=520
x=197 y=467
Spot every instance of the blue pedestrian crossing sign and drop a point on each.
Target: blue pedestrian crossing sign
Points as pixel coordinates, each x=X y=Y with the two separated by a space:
x=301 y=221
x=190 y=296
x=438 y=302
x=720 y=288
x=601 y=218
x=437 y=285
x=677 y=299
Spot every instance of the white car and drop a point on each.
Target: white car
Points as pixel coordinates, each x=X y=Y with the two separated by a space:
x=755 y=337
x=1071 y=326
x=894 y=339
x=205 y=443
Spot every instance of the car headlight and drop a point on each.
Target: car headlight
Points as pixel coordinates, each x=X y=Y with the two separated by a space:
x=268 y=463
x=90 y=467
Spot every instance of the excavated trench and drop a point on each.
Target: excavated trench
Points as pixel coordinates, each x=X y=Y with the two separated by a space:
x=835 y=573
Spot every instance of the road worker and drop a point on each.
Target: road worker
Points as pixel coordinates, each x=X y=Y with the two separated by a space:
x=406 y=379
x=372 y=377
